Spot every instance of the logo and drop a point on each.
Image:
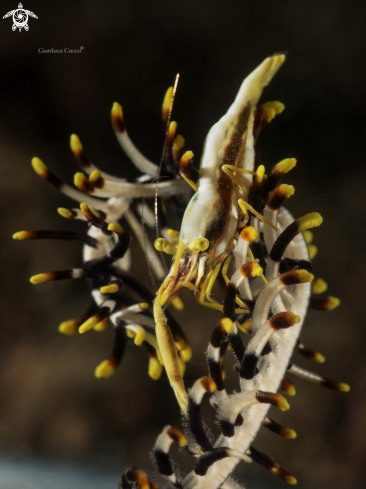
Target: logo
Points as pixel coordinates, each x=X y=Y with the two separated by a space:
x=20 y=18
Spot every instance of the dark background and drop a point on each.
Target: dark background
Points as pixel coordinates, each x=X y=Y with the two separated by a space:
x=51 y=405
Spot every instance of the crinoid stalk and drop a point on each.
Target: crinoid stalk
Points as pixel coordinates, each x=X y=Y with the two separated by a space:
x=236 y=215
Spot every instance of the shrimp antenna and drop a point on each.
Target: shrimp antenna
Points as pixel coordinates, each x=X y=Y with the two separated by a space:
x=169 y=116
x=167 y=121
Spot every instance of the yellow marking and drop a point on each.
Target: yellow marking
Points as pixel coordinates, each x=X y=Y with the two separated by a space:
x=311 y=220
x=342 y=387
x=318 y=286
x=94 y=176
x=277 y=106
x=282 y=403
x=116 y=229
x=139 y=333
x=22 y=235
x=105 y=369
x=39 y=167
x=172 y=129
x=332 y=303
x=117 y=112
x=190 y=182
x=75 y=144
x=186 y=158
x=109 y=289
x=308 y=236
x=66 y=213
x=285 y=165
x=227 y=324
x=177 y=303
x=244 y=205
x=246 y=326
x=82 y=183
x=167 y=103
x=102 y=325
x=178 y=143
x=225 y=268
x=155 y=368
x=144 y=306
x=173 y=234
x=69 y=327
x=249 y=233
x=318 y=357
x=130 y=334
x=41 y=277
x=260 y=173
x=313 y=250
x=88 y=324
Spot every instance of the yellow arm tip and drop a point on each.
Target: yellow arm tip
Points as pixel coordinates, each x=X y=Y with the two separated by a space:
x=88 y=324
x=75 y=144
x=116 y=228
x=105 y=369
x=69 y=327
x=38 y=166
x=155 y=369
x=41 y=277
x=20 y=235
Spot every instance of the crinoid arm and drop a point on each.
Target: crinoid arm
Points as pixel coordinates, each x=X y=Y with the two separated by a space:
x=235 y=227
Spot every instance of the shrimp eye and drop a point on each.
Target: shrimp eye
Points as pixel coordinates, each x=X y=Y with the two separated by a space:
x=159 y=244
x=201 y=244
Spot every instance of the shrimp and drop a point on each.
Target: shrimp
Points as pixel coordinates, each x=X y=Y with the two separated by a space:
x=211 y=219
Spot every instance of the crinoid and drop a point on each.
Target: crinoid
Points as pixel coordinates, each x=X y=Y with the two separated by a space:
x=236 y=214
